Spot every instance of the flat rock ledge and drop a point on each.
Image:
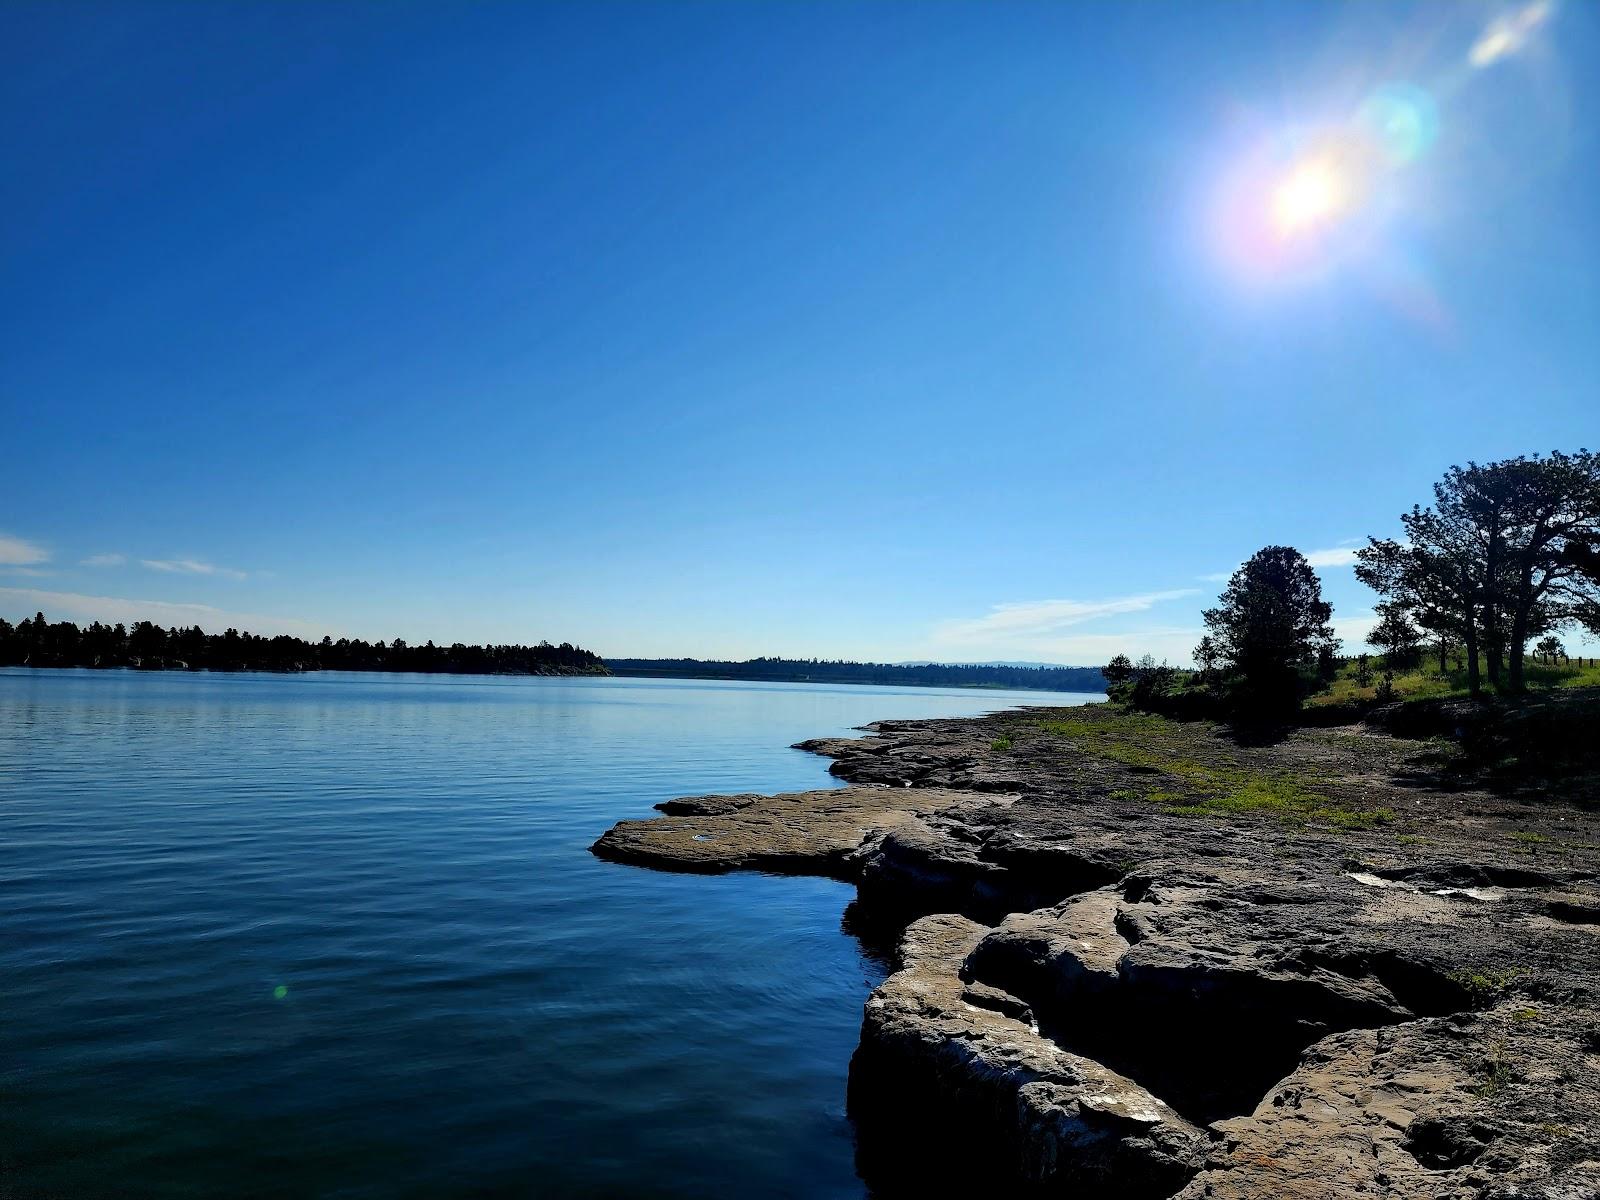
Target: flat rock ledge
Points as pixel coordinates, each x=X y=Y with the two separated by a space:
x=798 y=833
x=1098 y=997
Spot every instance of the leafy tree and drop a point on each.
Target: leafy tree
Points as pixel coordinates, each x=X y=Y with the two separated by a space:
x=1444 y=646
x=1553 y=510
x=1434 y=576
x=1271 y=622
x=1550 y=649
x=1207 y=655
x=1328 y=661
x=1396 y=636
x=1118 y=671
x=1506 y=552
x=1363 y=671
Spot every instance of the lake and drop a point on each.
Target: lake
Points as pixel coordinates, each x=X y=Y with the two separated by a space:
x=340 y=935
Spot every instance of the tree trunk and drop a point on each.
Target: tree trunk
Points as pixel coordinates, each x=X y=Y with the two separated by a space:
x=1493 y=642
x=1519 y=642
x=1474 y=683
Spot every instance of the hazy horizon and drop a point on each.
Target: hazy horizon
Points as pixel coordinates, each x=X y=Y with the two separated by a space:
x=958 y=333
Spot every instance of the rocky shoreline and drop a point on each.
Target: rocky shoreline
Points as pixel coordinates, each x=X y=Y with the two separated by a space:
x=1138 y=958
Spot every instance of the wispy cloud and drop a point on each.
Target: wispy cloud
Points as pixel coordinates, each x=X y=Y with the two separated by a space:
x=1353 y=629
x=1509 y=33
x=1342 y=555
x=1336 y=556
x=1174 y=643
x=192 y=566
x=30 y=572
x=18 y=552
x=1031 y=619
x=104 y=560
x=73 y=606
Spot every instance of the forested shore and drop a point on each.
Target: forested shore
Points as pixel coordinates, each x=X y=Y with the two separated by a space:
x=145 y=645
x=802 y=670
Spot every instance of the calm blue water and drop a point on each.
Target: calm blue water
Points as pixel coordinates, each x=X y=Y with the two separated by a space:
x=341 y=935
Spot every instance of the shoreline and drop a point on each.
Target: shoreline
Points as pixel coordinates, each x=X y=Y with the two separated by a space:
x=1139 y=959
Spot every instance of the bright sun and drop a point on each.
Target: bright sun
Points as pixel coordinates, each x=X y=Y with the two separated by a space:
x=1311 y=197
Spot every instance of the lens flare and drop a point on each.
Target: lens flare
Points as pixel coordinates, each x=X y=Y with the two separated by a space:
x=1402 y=121
x=1312 y=196
x=1302 y=202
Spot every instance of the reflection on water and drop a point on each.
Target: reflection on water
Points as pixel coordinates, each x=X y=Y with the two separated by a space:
x=340 y=935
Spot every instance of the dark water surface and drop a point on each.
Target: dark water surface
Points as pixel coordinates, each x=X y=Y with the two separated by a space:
x=340 y=935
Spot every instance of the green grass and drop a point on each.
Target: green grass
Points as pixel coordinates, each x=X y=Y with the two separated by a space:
x=1497 y=1075
x=1001 y=743
x=1425 y=680
x=1284 y=799
x=1487 y=985
x=1204 y=789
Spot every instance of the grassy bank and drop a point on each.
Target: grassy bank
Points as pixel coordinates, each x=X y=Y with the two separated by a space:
x=1425 y=681
x=1186 y=775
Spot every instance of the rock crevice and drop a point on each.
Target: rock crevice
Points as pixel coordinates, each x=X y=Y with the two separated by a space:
x=1101 y=995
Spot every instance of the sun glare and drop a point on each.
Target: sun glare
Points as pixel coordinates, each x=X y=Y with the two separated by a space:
x=1313 y=196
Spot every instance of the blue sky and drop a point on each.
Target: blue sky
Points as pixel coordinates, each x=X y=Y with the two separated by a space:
x=956 y=331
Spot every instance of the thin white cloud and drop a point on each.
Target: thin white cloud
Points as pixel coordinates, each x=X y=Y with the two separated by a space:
x=1353 y=630
x=30 y=572
x=73 y=606
x=1336 y=556
x=1031 y=619
x=1342 y=555
x=1509 y=33
x=191 y=566
x=104 y=560
x=18 y=552
x=1170 y=643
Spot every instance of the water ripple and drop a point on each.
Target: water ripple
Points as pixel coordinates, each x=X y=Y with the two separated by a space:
x=340 y=935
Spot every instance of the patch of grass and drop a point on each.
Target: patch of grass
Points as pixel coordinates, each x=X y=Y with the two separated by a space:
x=1425 y=680
x=1487 y=984
x=1357 y=743
x=1497 y=1075
x=1284 y=799
x=1525 y=1014
x=1001 y=743
x=1529 y=839
x=1142 y=743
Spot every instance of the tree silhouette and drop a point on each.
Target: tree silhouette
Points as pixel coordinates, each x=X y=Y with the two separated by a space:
x=1507 y=551
x=147 y=646
x=1396 y=636
x=1270 y=624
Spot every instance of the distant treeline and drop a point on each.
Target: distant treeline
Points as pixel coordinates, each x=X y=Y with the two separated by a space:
x=37 y=643
x=801 y=670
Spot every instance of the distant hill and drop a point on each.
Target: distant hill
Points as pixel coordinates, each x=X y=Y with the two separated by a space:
x=1046 y=678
